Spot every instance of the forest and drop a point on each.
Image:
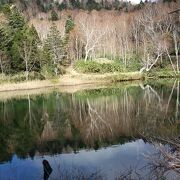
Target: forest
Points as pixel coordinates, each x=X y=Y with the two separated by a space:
x=39 y=39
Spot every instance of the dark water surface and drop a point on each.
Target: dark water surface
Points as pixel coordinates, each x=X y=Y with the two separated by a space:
x=90 y=134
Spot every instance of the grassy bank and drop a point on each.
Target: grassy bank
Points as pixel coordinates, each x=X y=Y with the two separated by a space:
x=162 y=74
x=73 y=78
x=19 y=94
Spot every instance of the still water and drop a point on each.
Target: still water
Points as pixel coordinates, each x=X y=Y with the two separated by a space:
x=89 y=134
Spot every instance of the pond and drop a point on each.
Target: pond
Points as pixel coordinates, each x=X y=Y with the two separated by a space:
x=89 y=134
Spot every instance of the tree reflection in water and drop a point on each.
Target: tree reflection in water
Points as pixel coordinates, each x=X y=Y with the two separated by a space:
x=59 y=122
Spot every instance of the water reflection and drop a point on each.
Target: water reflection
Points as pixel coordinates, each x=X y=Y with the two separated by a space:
x=58 y=123
x=92 y=118
x=114 y=162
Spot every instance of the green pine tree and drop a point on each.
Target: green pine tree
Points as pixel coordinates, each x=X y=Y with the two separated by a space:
x=54 y=15
x=28 y=50
x=69 y=26
x=16 y=20
x=16 y=36
x=54 y=50
x=63 y=5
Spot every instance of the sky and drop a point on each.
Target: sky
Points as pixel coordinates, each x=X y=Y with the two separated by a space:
x=138 y=1
x=135 y=1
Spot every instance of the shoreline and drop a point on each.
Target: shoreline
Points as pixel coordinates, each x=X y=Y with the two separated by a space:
x=19 y=94
x=70 y=81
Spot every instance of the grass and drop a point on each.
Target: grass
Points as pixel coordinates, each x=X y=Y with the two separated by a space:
x=7 y=83
x=26 y=85
x=128 y=76
x=162 y=74
x=68 y=80
x=20 y=77
x=5 y=95
x=71 y=83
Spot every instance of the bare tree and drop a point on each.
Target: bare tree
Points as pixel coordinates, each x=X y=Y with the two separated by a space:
x=123 y=39
x=176 y=47
x=156 y=35
x=26 y=51
x=92 y=34
x=28 y=48
x=1 y=64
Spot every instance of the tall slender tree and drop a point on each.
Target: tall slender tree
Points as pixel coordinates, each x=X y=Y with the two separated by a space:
x=54 y=49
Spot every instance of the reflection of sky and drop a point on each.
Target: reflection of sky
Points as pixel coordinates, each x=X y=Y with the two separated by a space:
x=138 y=1
x=109 y=160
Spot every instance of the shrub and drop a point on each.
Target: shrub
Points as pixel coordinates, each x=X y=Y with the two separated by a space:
x=21 y=77
x=4 y=78
x=134 y=63
x=94 y=67
x=47 y=72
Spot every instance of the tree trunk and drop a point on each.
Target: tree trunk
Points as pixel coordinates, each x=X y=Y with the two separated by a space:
x=2 y=71
x=176 y=50
x=27 y=72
